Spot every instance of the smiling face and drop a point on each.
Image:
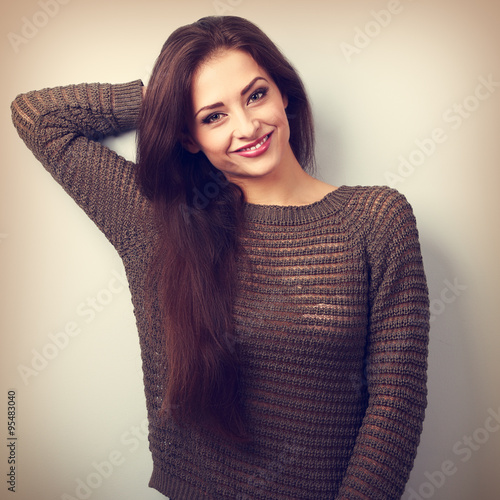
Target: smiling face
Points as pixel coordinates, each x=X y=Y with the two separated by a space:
x=239 y=118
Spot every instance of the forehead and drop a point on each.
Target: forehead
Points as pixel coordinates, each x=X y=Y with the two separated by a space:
x=223 y=75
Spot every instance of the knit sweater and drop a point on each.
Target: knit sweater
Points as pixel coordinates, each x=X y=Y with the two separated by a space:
x=331 y=320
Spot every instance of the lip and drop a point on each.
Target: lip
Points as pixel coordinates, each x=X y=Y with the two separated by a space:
x=255 y=152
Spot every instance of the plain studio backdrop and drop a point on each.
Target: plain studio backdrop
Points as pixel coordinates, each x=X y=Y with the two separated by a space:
x=405 y=93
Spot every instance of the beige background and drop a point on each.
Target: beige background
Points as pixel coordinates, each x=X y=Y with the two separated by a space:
x=86 y=405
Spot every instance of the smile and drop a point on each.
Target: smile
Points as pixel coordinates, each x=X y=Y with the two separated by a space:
x=256 y=148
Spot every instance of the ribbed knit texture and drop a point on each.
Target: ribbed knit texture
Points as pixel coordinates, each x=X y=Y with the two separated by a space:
x=331 y=320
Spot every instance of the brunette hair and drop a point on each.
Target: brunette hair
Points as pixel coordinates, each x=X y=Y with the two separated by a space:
x=200 y=217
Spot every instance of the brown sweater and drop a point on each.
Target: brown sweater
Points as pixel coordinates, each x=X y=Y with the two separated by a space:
x=332 y=324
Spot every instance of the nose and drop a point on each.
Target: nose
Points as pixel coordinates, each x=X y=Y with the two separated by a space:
x=245 y=126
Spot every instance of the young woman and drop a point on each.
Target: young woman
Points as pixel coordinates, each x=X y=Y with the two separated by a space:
x=283 y=322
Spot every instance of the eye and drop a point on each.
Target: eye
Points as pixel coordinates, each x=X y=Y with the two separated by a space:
x=258 y=95
x=213 y=118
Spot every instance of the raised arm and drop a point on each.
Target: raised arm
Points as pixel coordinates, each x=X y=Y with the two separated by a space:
x=63 y=125
x=396 y=357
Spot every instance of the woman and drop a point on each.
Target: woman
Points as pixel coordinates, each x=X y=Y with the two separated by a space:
x=283 y=322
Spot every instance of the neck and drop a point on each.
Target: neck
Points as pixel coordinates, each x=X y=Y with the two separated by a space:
x=289 y=185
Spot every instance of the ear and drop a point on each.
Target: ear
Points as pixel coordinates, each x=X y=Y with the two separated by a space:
x=285 y=101
x=189 y=144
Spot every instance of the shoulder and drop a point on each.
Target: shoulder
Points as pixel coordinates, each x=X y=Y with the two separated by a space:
x=374 y=206
x=384 y=216
x=373 y=197
x=378 y=203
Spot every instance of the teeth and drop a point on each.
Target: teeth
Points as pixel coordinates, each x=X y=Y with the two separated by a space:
x=257 y=146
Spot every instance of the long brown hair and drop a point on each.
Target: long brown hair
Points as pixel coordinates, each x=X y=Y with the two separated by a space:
x=200 y=218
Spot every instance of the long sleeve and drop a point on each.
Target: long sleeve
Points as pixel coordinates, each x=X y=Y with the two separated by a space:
x=395 y=375
x=63 y=126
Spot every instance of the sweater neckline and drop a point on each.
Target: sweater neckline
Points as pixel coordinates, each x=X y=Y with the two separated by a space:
x=298 y=214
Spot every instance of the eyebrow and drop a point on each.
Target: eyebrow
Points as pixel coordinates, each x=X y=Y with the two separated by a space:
x=220 y=103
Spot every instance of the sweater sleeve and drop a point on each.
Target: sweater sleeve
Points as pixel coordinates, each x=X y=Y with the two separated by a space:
x=63 y=126
x=396 y=359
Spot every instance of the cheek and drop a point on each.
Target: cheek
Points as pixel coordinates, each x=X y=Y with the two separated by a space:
x=215 y=146
x=279 y=114
x=215 y=142
x=281 y=120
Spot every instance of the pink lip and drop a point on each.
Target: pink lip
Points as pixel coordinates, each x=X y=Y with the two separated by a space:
x=255 y=152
